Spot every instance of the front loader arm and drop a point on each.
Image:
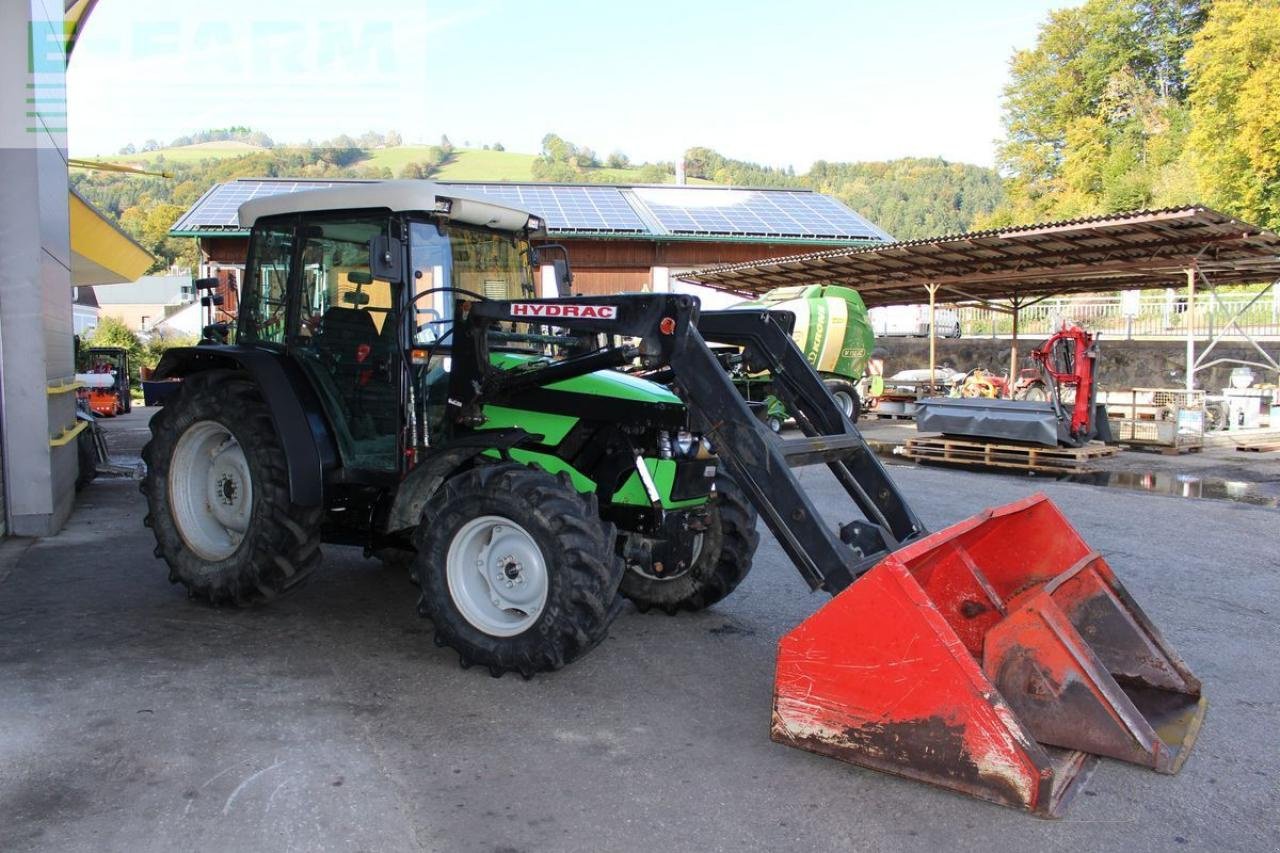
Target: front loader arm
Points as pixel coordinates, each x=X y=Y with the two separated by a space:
x=673 y=335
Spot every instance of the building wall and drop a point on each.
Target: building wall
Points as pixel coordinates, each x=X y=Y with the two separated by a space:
x=139 y=318
x=84 y=319
x=600 y=266
x=36 y=328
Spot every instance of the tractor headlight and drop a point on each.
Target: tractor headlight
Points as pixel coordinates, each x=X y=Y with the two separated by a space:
x=685 y=444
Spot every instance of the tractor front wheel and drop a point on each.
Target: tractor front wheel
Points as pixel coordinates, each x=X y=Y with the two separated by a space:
x=218 y=495
x=517 y=569
x=721 y=562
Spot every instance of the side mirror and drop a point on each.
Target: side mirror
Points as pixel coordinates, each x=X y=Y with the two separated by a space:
x=215 y=299
x=205 y=283
x=355 y=298
x=564 y=277
x=359 y=277
x=386 y=258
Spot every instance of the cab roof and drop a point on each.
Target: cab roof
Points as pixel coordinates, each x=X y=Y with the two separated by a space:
x=397 y=197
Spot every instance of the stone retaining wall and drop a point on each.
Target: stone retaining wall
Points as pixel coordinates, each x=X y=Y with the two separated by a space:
x=1121 y=364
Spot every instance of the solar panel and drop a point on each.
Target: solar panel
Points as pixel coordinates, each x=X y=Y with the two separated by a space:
x=218 y=207
x=601 y=209
x=755 y=213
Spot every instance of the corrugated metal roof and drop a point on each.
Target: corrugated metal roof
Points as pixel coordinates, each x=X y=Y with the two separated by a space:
x=1132 y=250
x=665 y=212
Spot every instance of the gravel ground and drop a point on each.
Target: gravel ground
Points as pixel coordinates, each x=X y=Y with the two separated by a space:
x=134 y=719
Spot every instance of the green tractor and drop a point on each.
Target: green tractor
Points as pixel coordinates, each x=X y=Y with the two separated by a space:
x=833 y=331
x=394 y=383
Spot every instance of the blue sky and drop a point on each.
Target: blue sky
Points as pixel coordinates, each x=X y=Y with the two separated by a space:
x=779 y=83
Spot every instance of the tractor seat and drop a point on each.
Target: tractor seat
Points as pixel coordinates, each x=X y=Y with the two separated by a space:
x=341 y=325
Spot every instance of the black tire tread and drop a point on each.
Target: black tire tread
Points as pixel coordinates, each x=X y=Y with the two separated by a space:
x=720 y=567
x=585 y=571
x=281 y=548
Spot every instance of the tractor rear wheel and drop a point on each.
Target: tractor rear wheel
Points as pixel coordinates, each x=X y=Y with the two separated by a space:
x=722 y=561
x=218 y=495
x=517 y=569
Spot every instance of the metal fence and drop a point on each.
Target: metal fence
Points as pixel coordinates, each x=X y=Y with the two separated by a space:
x=1151 y=315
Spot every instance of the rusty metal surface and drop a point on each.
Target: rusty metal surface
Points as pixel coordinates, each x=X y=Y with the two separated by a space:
x=1118 y=251
x=993 y=658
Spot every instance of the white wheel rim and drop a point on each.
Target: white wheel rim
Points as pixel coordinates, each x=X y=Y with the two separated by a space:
x=497 y=576
x=210 y=490
x=845 y=401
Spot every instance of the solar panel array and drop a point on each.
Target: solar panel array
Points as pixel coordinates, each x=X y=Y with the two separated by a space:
x=217 y=208
x=605 y=209
x=754 y=213
x=602 y=209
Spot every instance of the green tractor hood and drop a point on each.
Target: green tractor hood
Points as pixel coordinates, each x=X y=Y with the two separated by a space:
x=602 y=383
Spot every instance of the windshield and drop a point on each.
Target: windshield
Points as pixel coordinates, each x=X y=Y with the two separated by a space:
x=492 y=265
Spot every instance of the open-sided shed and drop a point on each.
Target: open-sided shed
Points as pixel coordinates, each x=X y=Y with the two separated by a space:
x=1008 y=269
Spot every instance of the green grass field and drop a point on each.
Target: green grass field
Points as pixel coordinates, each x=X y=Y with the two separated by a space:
x=188 y=153
x=467 y=164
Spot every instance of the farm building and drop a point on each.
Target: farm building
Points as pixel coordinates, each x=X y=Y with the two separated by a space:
x=620 y=238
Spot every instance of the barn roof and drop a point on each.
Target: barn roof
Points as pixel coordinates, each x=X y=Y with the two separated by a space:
x=1134 y=250
x=661 y=212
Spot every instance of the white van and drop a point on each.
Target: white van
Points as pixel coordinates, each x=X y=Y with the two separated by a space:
x=913 y=321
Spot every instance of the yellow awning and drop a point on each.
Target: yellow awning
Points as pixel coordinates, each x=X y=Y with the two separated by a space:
x=100 y=252
x=75 y=15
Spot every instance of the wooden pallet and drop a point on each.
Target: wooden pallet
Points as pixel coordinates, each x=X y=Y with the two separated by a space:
x=1020 y=457
x=1259 y=445
x=1163 y=449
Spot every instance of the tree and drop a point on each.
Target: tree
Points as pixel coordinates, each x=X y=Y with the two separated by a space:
x=1234 y=69
x=618 y=160
x=498 y=146
x=149 y=222
x=1094 y=114
x=414 y=170
x=393 y=139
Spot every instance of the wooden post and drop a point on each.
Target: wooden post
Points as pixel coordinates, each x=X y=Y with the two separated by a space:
x=1191 y=327
x=933 y=337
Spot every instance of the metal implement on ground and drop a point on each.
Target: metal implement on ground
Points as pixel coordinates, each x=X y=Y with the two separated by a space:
x=1059 y=408
x=394 y=383
x=105 y=381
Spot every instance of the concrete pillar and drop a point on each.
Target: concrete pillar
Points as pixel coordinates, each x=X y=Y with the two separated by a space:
x=36 y=349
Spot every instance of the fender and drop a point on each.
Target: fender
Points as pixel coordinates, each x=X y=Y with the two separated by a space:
x=299 y=420
x=417 y=488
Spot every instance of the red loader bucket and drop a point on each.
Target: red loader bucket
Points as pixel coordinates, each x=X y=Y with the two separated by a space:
x=996 y=658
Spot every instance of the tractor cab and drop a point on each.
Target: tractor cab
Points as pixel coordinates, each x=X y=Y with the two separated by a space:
x=361 y=297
